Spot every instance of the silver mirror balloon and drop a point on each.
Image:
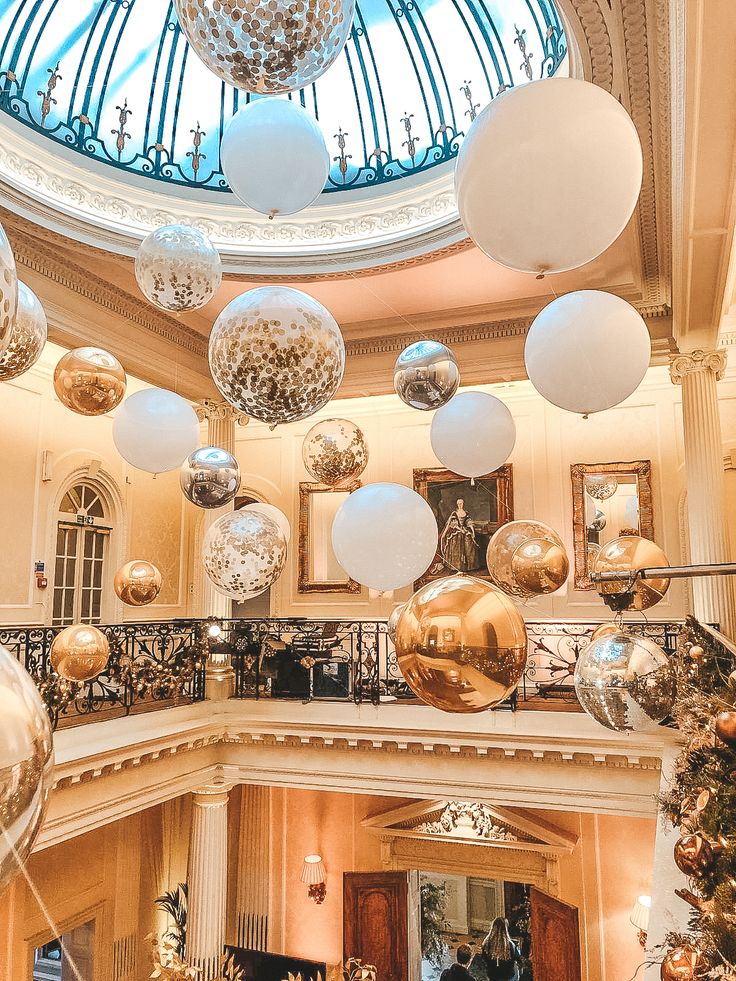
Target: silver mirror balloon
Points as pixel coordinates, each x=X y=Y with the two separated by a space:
x=210 y=477
x=244 y=552
x=27 y=336
x=625 y=682
x=393 y=621
x=178 y=268
x=335 y=451
x=426 y=375
x=8 y=290
x=26 y=765
x=267 y=48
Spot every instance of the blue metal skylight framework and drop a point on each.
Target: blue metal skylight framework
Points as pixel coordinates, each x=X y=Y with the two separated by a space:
x=116 y=81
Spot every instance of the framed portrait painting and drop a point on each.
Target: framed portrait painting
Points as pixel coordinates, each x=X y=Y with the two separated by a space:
x=467 y=514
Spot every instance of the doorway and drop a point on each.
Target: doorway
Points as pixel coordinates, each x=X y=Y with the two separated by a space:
x=53 y=961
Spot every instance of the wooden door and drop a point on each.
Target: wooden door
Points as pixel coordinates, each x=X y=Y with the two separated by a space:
x=375 y=921
x=555 y=939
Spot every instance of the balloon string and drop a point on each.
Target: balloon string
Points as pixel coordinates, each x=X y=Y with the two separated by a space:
x=44 y=909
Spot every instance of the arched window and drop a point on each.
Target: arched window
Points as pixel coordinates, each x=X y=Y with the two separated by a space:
x=82 y=537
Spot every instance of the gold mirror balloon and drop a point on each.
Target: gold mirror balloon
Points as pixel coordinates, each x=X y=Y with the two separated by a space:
x=27 y=337
x=138 y=583
x=8 y=290
x=627 y=554
x=90 y=381
x=605 y=630
x=79 y=652
x=426 y=375
x=335 y=451
x=461 y=644
x=210 y=477
x=527 y=558
x=26 y=765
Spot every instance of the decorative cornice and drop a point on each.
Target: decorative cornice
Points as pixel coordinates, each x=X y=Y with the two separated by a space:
x=684 y=364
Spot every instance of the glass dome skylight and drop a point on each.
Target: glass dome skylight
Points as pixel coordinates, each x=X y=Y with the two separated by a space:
x=115 y=80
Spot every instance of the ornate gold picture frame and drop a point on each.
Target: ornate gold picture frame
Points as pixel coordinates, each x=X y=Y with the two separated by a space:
x=488 y=503
x=308 y=581
x=636 y=477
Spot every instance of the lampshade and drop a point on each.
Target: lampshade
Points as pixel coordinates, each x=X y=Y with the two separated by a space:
x=313 y=870
x=640 y=913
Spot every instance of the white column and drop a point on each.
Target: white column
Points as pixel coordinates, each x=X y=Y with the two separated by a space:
x=207 y=879
x=698 y=372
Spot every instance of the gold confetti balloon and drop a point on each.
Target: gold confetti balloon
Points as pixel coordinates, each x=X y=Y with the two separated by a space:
x=26 y=765
x=27 y=336
x=461 y=644
x=243 y=552
x=178 y=269
x=269 y=47
x=8 y=290
x=625 y=682
x=138 y=583
x=90 y=381
x=276 y=354
x=527 y=558
x=426 y=375
x=335 y=451
x=601 y=486
x=628 y=554
x=210 y=477
x=79 y=652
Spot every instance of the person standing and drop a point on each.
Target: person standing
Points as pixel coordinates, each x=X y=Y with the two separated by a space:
x=501 y=956
x=459 y=971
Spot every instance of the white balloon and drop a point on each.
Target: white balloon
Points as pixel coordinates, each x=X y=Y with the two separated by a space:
x=473 y=434
x=272 y=512
x=549 y=175
x=587 y=351
x=384 y=536
x=274 y=157
x=155 y=430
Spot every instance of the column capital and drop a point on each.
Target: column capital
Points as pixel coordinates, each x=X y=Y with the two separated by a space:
x=214 y=411
x=212 y=794
x=691 y=361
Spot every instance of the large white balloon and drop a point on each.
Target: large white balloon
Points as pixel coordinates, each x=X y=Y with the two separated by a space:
x=549 y=175
x=384 y=536
x=587 y=351
x=473 y=434
x=271 y=511
x=155 y=430
x=274 y=157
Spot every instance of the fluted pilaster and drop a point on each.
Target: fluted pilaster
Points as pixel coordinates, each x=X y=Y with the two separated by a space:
x=699 y=372
x=207 y=879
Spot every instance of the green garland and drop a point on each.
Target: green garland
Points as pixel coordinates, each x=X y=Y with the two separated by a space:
x=702 y=801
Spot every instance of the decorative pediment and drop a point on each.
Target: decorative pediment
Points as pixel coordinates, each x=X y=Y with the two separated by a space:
x=472 y=822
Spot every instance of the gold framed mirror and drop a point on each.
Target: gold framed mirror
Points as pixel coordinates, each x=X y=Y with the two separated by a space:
x=319 y=570
x=608 y=500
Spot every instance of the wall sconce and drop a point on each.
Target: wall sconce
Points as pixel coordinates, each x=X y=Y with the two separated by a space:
x=313 y=873
x=640 y=917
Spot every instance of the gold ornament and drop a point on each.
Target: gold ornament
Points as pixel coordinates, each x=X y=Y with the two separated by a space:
x=726 y=728
x=625 y=682
x=244 y=552
x=461 y=644
x=8 y=290
x=628 y=554
x=694 y=855
x=335 y=452
x=683 y=964
x=90 y=381
x=268 y=48
x=138 y=583
x=26 y=765
x=27 y=337
x=276 y=354
x=178 y=268
x=79 y=652
x=527 y=558
x=605 y=630
x=696 y=653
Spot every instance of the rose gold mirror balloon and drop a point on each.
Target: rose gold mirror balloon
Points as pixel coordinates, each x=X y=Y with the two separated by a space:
x=90 y=381
x=628 y=554
x=461 y=644
x=80 y=652
x=527 y=558
x=138 y=583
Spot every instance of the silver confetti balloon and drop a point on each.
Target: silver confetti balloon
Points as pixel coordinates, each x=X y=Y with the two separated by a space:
x=625 y=682
x=426 y=375
x=210 y=477
x=177 y=268
x=26 y=765
x=27 y=336
x=244 y=552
